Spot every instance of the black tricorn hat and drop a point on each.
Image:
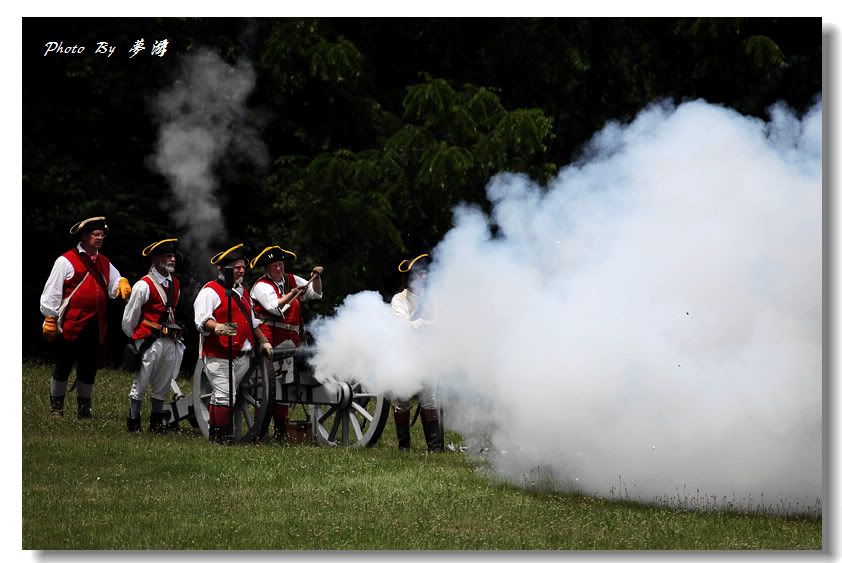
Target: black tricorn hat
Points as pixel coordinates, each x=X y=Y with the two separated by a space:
x=421 y=262
x=88 y=225
x=166 y=246
x=228 y=257
x=272 y=254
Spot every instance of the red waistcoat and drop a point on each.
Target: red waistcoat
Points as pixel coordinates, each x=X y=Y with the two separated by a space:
x=275 y=334
x=154 y=308
x=90 y=299
x=216 y=346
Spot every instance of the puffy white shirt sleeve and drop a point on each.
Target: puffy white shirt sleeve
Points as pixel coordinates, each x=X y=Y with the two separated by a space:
x=309 y=293
x=266 y=296
x=404 y=305
x=131 y=314
x=113 y=281
x=400 y=305
x=206 y=302
x=255 y=322
x=51 y=296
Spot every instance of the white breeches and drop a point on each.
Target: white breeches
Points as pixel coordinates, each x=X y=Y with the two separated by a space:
x=217 y=372
x=427 y=398
x=159 y=366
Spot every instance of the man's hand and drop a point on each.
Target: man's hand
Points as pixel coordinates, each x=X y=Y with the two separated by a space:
x=124 y=290
x=266 y=350
x=317 y=271
x=225 y=329
x=50 y=329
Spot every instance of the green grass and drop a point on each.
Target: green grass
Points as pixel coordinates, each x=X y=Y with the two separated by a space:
x=90 y=485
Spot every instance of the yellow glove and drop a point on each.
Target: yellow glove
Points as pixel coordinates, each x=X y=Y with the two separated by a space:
x=124 y=290
x=266 y=350
x=50 y=329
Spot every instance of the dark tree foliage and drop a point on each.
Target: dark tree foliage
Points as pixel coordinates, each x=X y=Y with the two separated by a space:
x=376 y=127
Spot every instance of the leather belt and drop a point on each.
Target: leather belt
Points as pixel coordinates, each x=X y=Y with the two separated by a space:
x=163 y=330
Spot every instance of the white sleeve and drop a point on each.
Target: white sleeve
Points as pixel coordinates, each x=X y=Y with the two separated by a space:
x=113 y=279
x=400 y=306
x=309 y=293
x=51 y=296
x=131 y=314
x=203 y=308
x=266 y=296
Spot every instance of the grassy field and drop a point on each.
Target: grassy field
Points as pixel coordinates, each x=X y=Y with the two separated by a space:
x=90 y=485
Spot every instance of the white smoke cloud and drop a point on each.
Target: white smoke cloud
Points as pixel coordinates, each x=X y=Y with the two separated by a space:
x=205 y=123
x=647 y=325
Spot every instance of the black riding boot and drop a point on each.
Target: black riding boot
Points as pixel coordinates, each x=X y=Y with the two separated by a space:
x=432 y=430
x=57 y=406
x=83 y=407
x=216 y=434
x=133 y=424
x=402 y=426
x=157 y=422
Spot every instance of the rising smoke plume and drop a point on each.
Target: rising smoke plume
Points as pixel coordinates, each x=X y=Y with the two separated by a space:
x=649 y=325
x=205 y=125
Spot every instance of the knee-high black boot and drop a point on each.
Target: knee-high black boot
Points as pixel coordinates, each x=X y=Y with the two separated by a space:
x=57 y=406
x=432 y=430
x=157 y=422
x=402 y=426
x=83 y=407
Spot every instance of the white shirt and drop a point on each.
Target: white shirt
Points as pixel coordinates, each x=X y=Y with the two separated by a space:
x=207 y=301
x=62 y=271
x=405 y=305
x=139 y=297
x=266 y=296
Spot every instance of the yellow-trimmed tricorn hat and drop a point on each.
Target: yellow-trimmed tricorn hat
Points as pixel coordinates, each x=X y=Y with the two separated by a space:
x=272 y=254
x=88 y=225
x=227 y=257
x=420 y=262
x=166 y=246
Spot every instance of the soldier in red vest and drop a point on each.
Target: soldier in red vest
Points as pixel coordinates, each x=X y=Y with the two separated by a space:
x=149 y=320
x=277 y=298
x=409 y=304
x=73 y=304
x=228 y=337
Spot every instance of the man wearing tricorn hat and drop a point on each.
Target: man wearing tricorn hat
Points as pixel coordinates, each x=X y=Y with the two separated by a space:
x=149 y=320
x=74 y=307
x=277 y=298
x=409 y=304
x=228 y=337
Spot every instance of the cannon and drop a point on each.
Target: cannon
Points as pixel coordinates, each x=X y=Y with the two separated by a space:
x=336 y=412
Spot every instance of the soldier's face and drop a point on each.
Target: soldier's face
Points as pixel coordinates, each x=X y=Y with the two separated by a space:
x=239 y=270
x=276 y=270
x=93 y=239
x=165 y=263
x=417 y=280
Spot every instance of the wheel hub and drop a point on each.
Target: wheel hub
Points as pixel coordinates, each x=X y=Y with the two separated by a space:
x=346 y=396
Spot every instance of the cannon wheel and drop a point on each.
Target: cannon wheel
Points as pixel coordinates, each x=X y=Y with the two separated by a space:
x=358 y=426
x=251 y=405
